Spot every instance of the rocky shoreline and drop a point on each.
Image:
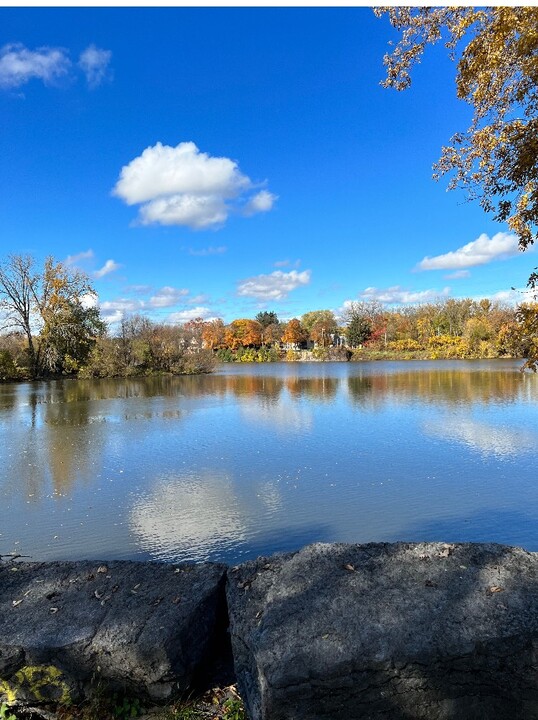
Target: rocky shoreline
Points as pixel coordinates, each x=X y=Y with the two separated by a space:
x=332 y=631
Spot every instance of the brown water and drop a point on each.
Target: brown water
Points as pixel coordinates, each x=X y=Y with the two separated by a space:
x=261 y=458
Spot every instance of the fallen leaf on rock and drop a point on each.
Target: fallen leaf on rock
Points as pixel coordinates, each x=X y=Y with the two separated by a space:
x=176 y=599
x=350 y=567
x=53 y=610
x=102 y=569
x=16 y=602
x=98 y=594
x=158 y=601
x=496 y=589
x=115 y=588
x=324 y=637
x=136 y=586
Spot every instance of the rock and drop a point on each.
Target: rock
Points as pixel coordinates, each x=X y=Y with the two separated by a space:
x=141 y=628
x=387 y=631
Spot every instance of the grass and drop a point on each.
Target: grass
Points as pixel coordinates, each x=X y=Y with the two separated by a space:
x=216 y=704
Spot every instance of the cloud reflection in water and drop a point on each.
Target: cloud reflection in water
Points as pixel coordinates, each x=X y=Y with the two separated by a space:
x=486 y=439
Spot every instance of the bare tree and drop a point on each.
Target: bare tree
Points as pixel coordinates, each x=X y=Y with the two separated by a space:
x=46 y=306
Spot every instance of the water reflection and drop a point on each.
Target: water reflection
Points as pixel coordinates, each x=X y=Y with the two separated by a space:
x=486 y=439
x=189 y=515
x=262 y=457
x=196 y=516
x=451 y=386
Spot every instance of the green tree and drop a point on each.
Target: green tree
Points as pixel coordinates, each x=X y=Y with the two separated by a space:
x=266 y=318
x=358 y=331
x=49 y=307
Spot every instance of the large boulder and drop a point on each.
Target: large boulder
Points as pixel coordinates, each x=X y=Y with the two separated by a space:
x=387 y=631
x=69 y=628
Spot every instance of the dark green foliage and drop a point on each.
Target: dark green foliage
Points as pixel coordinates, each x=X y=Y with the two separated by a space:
x=266 y=318
x=358 y=331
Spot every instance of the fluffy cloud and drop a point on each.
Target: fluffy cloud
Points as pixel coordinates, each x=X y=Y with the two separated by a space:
x=108 y=267
x=514 y=296
x=113 y=311
x=275 y=286
x=400 y=296
x=19 y=65
x=94 y=63
x=481 y=251
x=183 y=186
x=167 y=297
x=261 y=202
x=196 y=312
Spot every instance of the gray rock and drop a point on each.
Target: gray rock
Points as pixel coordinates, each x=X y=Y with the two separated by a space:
x=387 y=631
x=67 y=628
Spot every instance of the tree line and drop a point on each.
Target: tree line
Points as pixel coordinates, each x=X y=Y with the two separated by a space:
x=50 y=325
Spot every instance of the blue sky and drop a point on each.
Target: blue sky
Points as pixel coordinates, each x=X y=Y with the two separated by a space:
x=219 y=161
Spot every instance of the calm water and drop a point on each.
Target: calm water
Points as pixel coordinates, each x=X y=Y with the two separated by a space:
x=256 y=459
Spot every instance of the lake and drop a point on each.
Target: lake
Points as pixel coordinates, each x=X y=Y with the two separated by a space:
x=255 y=459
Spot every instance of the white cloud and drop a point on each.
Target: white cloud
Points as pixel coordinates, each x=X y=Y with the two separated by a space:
x=197 y=213
x=203 y=252
x=261 y=202
x=108 y=267
x=94 y=63
x=275 y=286
x=281 y=263
x=197 y=299
x=183 y=186
x=400 y=296
x=167 y=297
x=514 y=296
x=458 y=275
x=72 y=260
x=19 y=65
x=196 y=312
x=481 y=251
x=122 y=305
